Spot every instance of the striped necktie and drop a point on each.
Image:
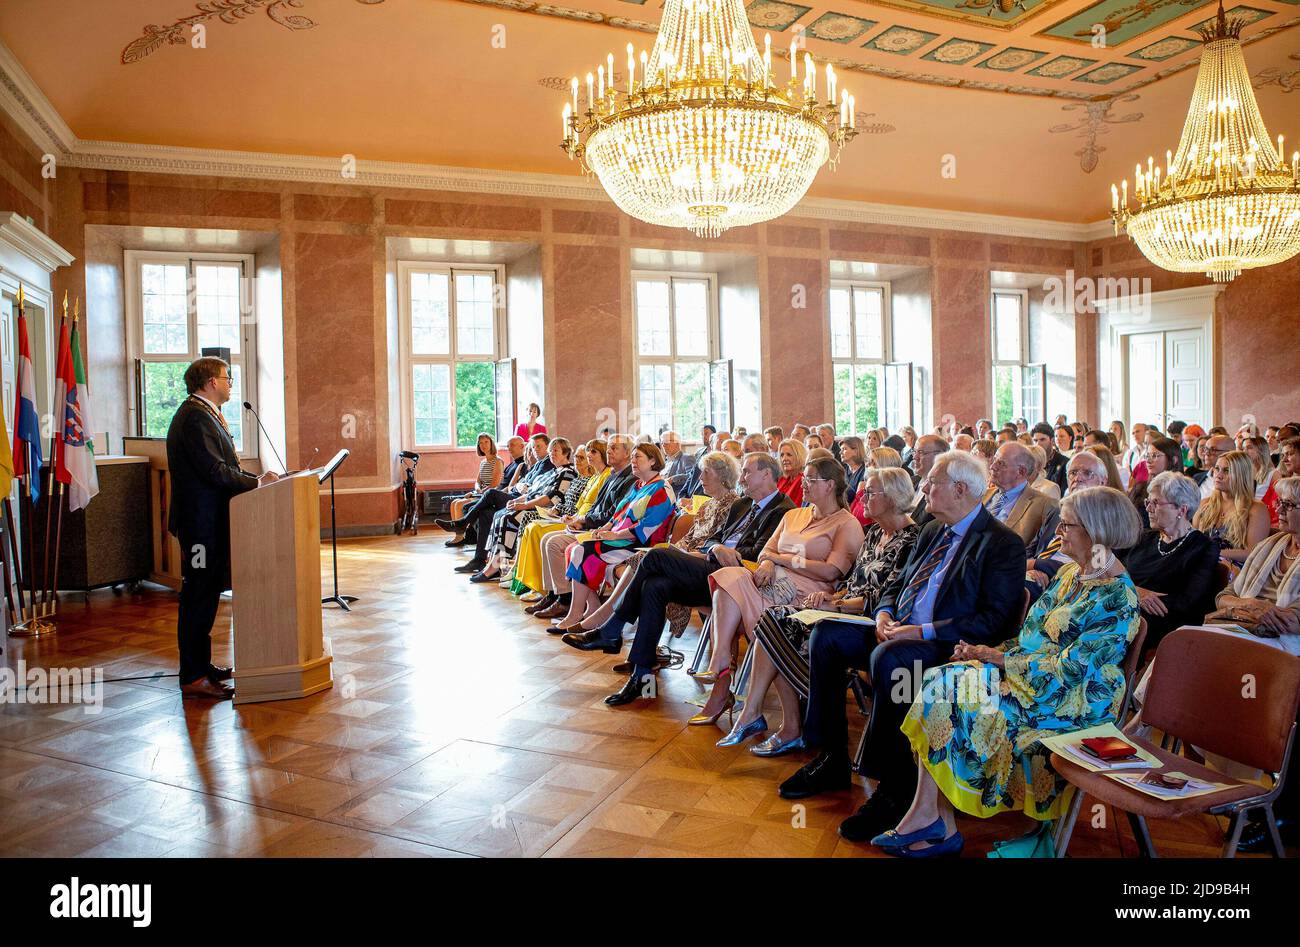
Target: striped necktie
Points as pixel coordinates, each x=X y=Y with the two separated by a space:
x=999 y=504
x=740 y=527
x=907 y=600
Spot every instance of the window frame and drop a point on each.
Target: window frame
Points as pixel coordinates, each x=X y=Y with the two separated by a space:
x=1024 y=363
x=713 y=327
x=407 y=358
x=853 y=361
x=134 y=261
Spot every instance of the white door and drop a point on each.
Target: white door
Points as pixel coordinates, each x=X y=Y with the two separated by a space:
x=1185 y=377
x=1146 y=383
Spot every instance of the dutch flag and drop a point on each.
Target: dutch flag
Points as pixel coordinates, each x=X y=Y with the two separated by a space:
x=27 y=426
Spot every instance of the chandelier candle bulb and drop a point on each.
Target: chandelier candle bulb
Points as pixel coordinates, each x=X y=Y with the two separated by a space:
x=591 y=95
x=631 y=69
x=600 y=82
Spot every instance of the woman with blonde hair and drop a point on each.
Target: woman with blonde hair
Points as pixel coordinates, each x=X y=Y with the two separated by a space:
x=791 y=455
x=1230 y=515
x=1266 y=475
x=1121 y=437
x=490 y=469
x=1037 y=478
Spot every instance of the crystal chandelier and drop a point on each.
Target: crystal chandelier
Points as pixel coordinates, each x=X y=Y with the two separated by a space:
x=1226 y=201
x=702 y=136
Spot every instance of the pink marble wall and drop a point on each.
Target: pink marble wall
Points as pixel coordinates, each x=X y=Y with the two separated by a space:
x=796 y=349
x=22 y=187
x=337 y=381
x=586 y=337
x=963 y=383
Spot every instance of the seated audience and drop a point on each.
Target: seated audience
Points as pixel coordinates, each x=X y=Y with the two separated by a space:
x=1010 y=498
x=812 y=549
x=826 y=432
x=928 y=449
x=908 y=434
x=781 y=641
x=545 y=492
x=812 y=442
x=706 y=442
x=963 y=442
x=1107 y=456
x=1173 y=564
x=1045 y=556
x=875 y=439
x=774 y=436
x=985 y=449
x=643 y=520
x=719 y=475
x=755 y=443
x=879 y=458
x=853 y=456
x=555 y=546
x=1288 y=457
x=1054 y=468
x=1038 y=481
x=678 y=464
x=963 y=581
x=791 y=455
x=1265 y=595
x=1265 y=473
x=675 y=576
x=799 y=432
x=1217 y=446
x=733 y=447
x=1230 y=515
x=490 y=472
x=1162 y=455
x=578 y=501
x=975 y=724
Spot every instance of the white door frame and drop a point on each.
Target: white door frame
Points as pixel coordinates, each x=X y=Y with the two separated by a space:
x=1155 y=312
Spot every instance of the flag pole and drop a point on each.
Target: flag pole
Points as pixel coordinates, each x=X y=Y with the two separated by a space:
x=58 y=528
x=4 y=554
x=55 y=426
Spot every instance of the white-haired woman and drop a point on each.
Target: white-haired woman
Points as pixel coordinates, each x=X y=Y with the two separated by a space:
x=1173 y=563
x=781 y=641
x=719 y=474
x=975 y=726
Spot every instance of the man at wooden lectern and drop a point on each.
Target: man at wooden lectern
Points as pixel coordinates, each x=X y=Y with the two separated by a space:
x=205 y=474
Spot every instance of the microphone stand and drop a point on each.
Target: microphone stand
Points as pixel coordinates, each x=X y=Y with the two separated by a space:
x=340 y=600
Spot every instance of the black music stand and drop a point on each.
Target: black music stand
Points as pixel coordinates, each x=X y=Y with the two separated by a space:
x=327 y=472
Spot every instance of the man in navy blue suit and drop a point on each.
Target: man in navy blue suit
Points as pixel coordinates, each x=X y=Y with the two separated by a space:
x=964 y=581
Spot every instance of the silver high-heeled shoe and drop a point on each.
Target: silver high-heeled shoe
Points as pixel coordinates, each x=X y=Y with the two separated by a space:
x=775 y=746
x=740 y=734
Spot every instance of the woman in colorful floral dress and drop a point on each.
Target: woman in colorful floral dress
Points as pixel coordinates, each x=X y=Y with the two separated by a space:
x=977 y=723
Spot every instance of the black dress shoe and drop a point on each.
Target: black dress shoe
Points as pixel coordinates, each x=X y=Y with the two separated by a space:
x=826 y=773
x=1255 y=836
x=484 y=577
x=542 y=604
x=217 y=673
x=878 y=814
x=592 y=641
x=474 y=565
x=451 y=526
x=661 y=661
x=632 y=688
x=456 y=542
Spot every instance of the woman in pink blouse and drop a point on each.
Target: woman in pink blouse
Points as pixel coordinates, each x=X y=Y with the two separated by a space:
x=812 y=549
x=527 y=429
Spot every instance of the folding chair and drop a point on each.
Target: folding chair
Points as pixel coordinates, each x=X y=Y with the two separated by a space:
x=1225 y=694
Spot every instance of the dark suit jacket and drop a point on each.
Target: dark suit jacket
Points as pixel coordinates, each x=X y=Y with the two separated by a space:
x=922 y=515
x=610 y=498
x=1055 y=470
x=983 y=591
x=205 y=474
x=758 y=532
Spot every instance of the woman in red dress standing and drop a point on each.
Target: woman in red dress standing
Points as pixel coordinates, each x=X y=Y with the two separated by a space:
x=527 y=429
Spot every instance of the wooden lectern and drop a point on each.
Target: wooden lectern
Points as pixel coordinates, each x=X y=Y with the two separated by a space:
x=275 y=576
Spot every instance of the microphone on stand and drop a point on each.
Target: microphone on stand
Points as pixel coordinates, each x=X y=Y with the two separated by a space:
x=250 y=407
x=314 y=452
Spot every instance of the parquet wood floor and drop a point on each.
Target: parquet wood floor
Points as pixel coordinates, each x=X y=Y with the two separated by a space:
x=455 y=727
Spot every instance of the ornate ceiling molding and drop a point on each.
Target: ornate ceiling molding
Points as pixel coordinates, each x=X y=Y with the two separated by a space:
x=179 y=33
x=1093 y=123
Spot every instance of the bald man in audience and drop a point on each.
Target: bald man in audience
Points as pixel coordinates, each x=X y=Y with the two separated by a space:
x=755 y=444
x=963 y=443
x=1010 y=498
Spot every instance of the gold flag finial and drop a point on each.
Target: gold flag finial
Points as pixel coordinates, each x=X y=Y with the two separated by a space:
x=76 y=310
x=20 y=296
x=65 y=304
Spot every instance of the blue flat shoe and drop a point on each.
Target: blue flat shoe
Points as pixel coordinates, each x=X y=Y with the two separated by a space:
x=933 y=832
x=949 y=846
x=740 y=734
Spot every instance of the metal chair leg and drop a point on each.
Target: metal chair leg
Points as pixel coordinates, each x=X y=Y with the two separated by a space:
x=741 y=685
x=1143 y=837
x=1065 y=828
x=704 y=648
x=1279 y=851
x=1234 y=834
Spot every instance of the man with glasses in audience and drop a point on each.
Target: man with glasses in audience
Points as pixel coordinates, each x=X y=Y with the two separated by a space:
x=1010 y=498
x=680 y=465
x=1085 y=470
x=928 y=449
x=963 y=581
